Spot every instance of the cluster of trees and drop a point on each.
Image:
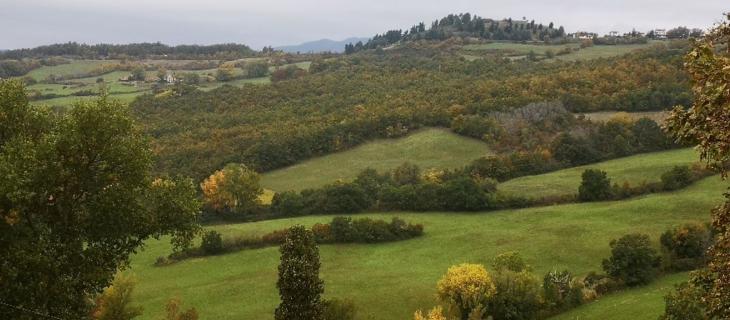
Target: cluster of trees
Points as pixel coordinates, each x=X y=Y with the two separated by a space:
x=596 y=185
x=464 y=25
x=405 y=188
x=612 y=139
x=76 y=201
x=512 y=291
x=339 y=230
x=346 y=101
x=228 y=51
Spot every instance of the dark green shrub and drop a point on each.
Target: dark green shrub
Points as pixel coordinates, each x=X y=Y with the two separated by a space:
x=596 y=186
x=517 y=296
x=287 y=203
x=633 y=260
x=345 y=198
x=341 y=229
x=463 y=194
x=678 y=177
x=368 y=230
x=685 y=246
x=336 y=309
x=212 y=242
x=573 y=151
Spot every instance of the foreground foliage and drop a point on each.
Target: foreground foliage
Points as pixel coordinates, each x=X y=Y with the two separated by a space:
x=707 y=123
x=76 y=200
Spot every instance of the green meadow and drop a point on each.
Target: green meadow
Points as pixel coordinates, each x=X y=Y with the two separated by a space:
x=642 y=303
x=647 y=167
x=574 y=237
x=427 y=148
x=515 y=49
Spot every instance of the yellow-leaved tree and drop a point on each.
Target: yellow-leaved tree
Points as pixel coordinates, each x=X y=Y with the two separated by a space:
x=235 y=188
x=466 y=289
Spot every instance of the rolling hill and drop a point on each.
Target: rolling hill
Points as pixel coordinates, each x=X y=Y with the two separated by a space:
x=635 y=169
x=322 y=45
x=428 y=148
x=575 y=236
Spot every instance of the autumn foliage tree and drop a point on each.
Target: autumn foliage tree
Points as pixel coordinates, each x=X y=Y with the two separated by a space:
x=466 y=289
x=235 y=188
x=707 y=123
x=115 y=303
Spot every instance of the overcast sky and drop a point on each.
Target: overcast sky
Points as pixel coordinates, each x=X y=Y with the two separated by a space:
x=29 y=23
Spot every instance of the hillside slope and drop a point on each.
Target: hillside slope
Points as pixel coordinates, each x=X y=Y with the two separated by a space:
x=647 y=167
x=400 y=277
x=428 y=148
x=642 y=303
x=322 y=45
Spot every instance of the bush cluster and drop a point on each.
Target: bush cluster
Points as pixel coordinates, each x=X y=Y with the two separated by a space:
x=596 y=185
x=684 y=247
x=339 y=230
x=405 y=188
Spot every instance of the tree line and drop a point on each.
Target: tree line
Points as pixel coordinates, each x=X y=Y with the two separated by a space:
x=345 y=101
x=227 y=51
x=464 y=25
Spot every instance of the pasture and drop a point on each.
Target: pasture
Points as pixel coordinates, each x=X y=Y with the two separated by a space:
x=642 y=303
x=427 y=148
x=647 y=167
x=574 y=237
x=519 y=50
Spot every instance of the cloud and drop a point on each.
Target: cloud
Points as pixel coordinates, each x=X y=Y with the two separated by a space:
x=30 y=23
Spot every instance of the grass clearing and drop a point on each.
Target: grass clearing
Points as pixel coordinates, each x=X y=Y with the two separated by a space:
x=643 y=303
x=520 y=50
x=69 y=69
x=647 y=167
x=400 y=277
x=427 y=148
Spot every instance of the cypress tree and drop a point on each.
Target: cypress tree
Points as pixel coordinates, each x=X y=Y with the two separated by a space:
x=299 y=285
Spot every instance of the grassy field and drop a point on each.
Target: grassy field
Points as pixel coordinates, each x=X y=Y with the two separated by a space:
x=429 y=148
x=604 y=51
x=514 y=49
x=68 y=69
x=603 y=116
x=643 y=303
x=635 y=169
x=67 y=101
x=392 y=280
x=518 y=49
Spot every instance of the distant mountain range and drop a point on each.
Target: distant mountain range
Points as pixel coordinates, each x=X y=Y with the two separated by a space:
x=321 y=45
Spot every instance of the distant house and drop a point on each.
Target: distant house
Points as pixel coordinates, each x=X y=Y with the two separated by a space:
x=126 y=78
x=613 y=34
x=660 y=33
x=583 y=35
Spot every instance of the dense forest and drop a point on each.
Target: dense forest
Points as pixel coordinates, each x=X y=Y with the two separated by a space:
x=345 y=101
x=136 y=50
x=465 y=25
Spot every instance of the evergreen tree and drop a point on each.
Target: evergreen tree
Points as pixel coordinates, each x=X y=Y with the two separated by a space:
x=299 y=285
